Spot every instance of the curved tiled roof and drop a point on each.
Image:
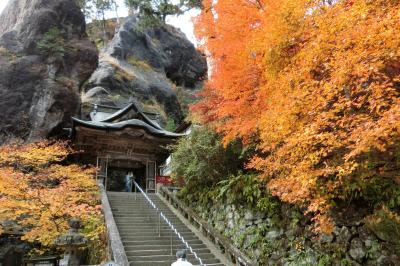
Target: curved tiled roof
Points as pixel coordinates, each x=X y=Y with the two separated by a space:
x=132 y=123
x=125 y=110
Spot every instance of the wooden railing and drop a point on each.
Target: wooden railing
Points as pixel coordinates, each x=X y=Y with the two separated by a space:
x=223 y=243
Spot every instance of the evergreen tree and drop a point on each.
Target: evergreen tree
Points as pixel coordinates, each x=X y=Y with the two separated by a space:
x=158 y=10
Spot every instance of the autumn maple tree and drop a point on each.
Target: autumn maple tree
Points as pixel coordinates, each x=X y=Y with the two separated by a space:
x=316 y=85
x=40 y=193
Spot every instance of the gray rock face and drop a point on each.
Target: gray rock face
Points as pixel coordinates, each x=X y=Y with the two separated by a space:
x=357 y=250
x=38 y=92
x=147 y=64
x=164 y=48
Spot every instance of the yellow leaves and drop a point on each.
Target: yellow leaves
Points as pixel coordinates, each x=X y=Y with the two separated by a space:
x=41 y=195
x=34 y=155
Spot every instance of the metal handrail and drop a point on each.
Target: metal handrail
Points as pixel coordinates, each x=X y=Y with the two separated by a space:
x=168 y=222
x=233 y=253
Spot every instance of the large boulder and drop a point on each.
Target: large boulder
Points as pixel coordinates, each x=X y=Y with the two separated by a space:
x=45 y=56
x=149 y=64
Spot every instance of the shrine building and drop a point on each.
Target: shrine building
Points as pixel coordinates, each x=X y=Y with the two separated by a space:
x=125 y=142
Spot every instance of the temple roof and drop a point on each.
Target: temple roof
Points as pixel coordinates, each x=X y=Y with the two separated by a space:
x=132 y=106
x=132 y=123
x=120 y=120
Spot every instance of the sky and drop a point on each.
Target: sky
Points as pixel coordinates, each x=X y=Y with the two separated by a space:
x=183 y=22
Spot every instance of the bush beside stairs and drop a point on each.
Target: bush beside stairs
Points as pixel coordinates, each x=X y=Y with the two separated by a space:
x=138 y=226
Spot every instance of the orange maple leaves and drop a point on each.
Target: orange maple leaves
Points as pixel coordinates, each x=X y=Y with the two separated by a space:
x=318 y=85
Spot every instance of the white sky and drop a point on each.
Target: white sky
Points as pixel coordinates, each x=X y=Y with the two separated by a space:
x=183 y=22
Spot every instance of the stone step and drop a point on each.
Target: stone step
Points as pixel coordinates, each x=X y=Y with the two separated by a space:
x=138 y=223
x=164 y=232
x=165 y=248
x=137 y=212
x=154 y=224
x=132 y=198
x=140 y=236
x=144 y=216
x=155 y=241
x=154 y=233
x=177 y=246
x=136 y=209
x=200 y=252
x=150 y=227
x=190 y=257
x=141 y=220
x=129 y=237
x=130 y=202
x=168 y=263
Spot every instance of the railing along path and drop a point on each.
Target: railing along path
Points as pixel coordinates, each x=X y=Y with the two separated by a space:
x=226 y=246
x=173 y=229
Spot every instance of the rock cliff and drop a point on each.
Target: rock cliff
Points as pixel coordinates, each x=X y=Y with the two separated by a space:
x=150 y=65
x=45 y=56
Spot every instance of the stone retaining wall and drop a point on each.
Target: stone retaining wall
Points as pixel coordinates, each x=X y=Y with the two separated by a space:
x=287 y=238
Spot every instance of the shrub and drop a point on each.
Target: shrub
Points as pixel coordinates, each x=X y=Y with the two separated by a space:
x=53 y=43
x=170 y=126
x=386 y=225
x=203 y=161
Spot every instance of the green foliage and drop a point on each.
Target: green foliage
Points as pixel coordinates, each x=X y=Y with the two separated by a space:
x=95 y=8
x=153 y=12
x=245 y=189
x=170 y=126
x=214 y=172
x=203 y=161
x=234 y=185
x=53 y=44
x=372 y=251
x=185 y=98
x=386 y=225
x=374 y=183
x=304 y=257
x=97 y=245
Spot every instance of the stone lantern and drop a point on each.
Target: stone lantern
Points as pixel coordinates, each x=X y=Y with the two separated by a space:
x=71 y=242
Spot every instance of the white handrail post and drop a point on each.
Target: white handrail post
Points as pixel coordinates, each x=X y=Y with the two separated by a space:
x=172 y=253
x=159 y=225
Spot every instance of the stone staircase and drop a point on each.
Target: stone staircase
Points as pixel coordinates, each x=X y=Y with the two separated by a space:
x=138 y=226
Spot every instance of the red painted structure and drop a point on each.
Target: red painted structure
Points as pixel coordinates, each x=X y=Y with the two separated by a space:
x=165 y=180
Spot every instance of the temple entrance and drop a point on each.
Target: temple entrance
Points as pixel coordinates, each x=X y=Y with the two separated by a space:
x=122 y=144
x=119 y=178
x=118 y=173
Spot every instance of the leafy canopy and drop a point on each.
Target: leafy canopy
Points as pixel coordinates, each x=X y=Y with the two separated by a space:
x=40 y=193
x=317 y=83
x=202 y=160
x=157 y=10
x=212 y=172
